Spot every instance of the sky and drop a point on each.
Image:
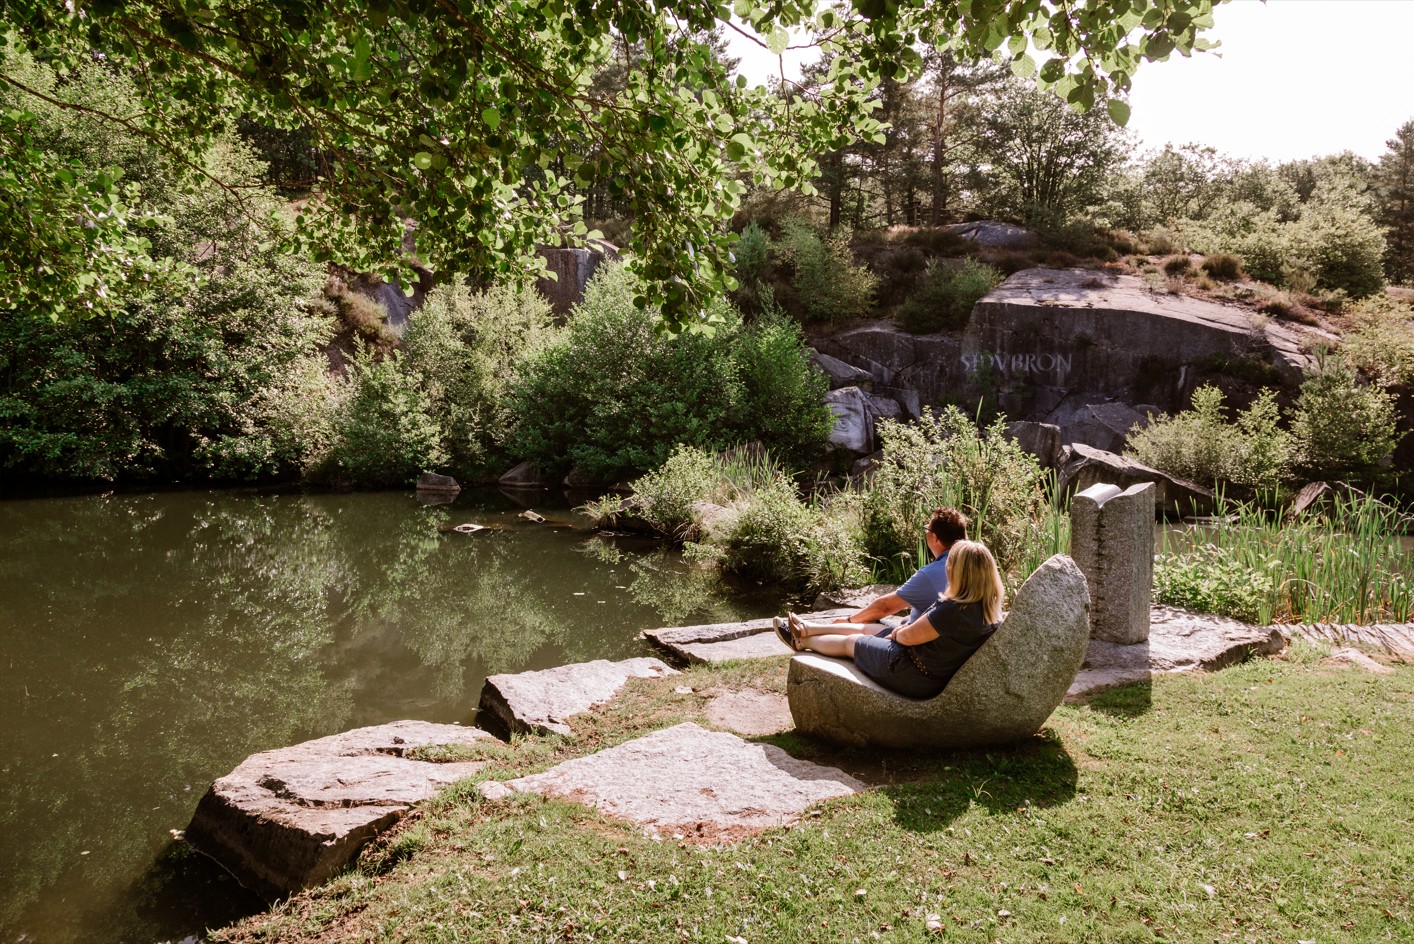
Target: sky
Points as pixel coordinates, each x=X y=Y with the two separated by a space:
x=1292 y=79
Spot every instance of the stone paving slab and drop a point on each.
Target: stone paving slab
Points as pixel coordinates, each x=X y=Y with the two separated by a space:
x=542 y=702
x=290 y=818
x=690 y=780
x=725 y=642
x=1395 y=639
x=1179 y=641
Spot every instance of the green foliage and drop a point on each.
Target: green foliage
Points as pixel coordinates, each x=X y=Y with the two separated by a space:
x=466 y=345
x=944 y=300
x=1394 y=182
x=1342 y=428
x=752 y=253
x=1382 y=345
x=1203 y=446
x=665 y=497
x=774 y=535
x=1177 y=265
x=612 y=395
x=1211 y=579
x=1344 y=248
x=829 y=284
x=1344 y=566
x=214 y=374
x=384 y=430
x=463 y=135
x=945 y=460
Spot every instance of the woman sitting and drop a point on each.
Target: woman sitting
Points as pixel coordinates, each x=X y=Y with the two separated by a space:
x=919 y=659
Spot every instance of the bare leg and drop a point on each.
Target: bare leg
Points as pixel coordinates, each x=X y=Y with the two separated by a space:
x=831 y=644
x=806 y=630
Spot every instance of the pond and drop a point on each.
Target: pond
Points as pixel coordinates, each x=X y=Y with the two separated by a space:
x=153 y=641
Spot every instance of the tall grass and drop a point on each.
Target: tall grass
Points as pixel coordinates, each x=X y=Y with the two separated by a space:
x=1345 y=566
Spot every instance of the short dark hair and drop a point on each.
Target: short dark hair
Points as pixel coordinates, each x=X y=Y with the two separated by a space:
x=948 y=525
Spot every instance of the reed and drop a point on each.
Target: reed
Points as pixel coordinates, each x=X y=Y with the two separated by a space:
x=1347 y=565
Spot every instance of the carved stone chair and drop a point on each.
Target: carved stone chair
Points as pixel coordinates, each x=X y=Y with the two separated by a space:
x=1005 y=692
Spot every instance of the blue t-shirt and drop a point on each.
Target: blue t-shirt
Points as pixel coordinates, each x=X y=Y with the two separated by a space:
x=924 y=588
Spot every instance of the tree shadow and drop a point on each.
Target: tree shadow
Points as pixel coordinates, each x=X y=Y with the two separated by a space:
x=1124 y=701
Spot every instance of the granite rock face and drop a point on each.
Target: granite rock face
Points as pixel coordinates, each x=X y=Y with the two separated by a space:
x=1004 y=693
x=842 y=374
x=543 y=702
x=1083 y=467
x=1042 y=440
x=290 y=818
x=1112 y=542
x=573 y=268
x=854 y=421
x=692 y=780
x=995 y=235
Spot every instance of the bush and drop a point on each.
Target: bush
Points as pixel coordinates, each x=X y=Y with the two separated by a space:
x=1177 y=265
x=1213 y=580
x=665 y=497
x=944 y=300
x=1343 y=247
x=465 y=345
x=944 y=459
x=828 y=283
x=1382 y=346
x=612 y=395
x=384 y=431
x=1201 y=445
x=753 y=253
x=1343 y=428
x=1223 y=266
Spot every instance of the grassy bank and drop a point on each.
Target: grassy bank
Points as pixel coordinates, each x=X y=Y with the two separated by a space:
x=1269 y=802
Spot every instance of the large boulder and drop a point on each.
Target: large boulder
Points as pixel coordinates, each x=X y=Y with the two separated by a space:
x=542 y=702
x=854 y=420
x=1103 y=425
x=1083 y=466
x=1042 y=440
x=842 y=374
x=573 y=269
x=290 y=818
x=525 y=475
x=995 y=235
x=1004 y=693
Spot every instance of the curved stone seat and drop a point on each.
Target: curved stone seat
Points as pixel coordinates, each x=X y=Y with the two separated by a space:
x=1005 y=692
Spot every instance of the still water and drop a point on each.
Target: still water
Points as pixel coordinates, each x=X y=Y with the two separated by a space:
x=152 y=642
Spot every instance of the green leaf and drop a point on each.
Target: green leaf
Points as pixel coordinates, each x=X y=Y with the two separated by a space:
x=777 y=41
x=1119 y=111
x=492 y=117
x=422 y=160
x=1024 y=67
x=361 y=69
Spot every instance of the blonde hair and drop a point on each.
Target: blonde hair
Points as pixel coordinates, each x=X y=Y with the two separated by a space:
x=973 y=578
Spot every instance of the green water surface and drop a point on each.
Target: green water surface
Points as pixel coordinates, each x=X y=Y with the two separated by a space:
x=151 y=642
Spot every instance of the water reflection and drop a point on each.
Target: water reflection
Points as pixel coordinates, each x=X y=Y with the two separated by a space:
x=153 y=641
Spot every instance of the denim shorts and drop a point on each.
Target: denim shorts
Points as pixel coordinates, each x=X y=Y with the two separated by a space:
x=887 y=663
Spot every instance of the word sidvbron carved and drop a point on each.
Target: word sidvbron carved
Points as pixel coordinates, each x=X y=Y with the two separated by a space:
x=1012 y=364
x=1112 y=541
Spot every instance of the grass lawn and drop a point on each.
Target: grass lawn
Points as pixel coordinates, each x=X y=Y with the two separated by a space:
x=1268 y=802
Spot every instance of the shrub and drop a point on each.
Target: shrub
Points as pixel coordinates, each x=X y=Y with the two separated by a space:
x=1201 y=445
x=466 y=346
x=1223 y=266
x=828 y=283
x=1161 y=241
x=384 y=431
x=1213 y=580
x=752 y=253
x=1343 y=247
x=612 y=395
x=1382 y=346
x=944 y=300
x=944 y=459
x=1177 y=265
x=1342 y=428
x=665 y=497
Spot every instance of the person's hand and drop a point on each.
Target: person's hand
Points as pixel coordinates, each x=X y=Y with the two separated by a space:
x=842 y=619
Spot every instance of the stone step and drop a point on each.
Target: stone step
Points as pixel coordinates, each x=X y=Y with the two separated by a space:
x=689 y=781
x=727 y=642
x=290 y=818
x=542 y=702
x=1395 y=639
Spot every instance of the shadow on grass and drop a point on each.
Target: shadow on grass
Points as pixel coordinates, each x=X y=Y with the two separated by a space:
x=1126 y=701
x=930 y=790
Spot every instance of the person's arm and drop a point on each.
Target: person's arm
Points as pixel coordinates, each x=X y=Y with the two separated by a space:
x=915 y=633
x=886 y=605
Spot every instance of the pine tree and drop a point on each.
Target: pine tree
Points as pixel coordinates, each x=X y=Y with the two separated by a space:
x=1395 y=185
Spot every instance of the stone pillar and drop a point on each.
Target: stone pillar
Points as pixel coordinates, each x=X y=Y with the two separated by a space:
x=1112 y=540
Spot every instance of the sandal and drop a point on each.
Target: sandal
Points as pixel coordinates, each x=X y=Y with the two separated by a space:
x=785 y=632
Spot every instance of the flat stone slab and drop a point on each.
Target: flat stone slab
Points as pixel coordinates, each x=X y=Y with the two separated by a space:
x=751 y=713
x=1358 y=659
x=1179 y=641
x=290 y=818
x=690 y=780
x=727 y=642
x=542 y=702
x=1394 y=639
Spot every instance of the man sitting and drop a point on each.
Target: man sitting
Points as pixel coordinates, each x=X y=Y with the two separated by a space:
x=924 y=588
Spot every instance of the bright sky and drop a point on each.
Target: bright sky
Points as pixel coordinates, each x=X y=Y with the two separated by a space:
x=1292 y=79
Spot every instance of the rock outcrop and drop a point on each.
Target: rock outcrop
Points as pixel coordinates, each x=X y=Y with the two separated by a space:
x=573 y=268
x=995 y=235
x=1082 y=466
x=289 y=819
x=542 y=702
x=1004 y=692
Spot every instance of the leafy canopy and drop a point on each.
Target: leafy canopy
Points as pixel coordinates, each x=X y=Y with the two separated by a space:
x=478 y=121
